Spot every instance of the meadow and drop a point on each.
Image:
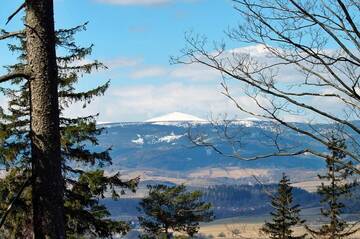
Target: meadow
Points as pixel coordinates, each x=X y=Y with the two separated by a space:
x=247 y=228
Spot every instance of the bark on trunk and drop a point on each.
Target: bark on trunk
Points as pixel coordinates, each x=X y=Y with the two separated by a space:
x=47 y=187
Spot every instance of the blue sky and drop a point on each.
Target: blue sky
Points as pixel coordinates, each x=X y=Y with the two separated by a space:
x=136 y=38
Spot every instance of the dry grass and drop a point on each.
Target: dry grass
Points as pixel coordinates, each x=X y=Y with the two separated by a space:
x=243 y=231
x=229 y=172
x=310 y=186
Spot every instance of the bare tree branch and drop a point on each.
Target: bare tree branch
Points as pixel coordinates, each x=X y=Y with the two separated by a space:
x=332 y=34
x=319 y=41
x=16 y=12
x=349 y=18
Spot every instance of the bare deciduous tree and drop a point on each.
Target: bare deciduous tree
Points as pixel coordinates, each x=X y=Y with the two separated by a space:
x=299 y=59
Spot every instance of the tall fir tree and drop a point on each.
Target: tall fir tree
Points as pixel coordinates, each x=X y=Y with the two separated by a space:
x=85 y=181
x=333 y=191
x=285 y=215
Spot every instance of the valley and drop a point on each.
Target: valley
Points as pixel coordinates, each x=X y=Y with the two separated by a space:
x=162 y=152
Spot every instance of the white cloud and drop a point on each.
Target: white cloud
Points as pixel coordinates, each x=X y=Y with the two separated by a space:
x=195 y=72
x=192 y=89
x=138 y=103
x=141 y=102
x=254 y=50
x=257 y=56
x=152 y=71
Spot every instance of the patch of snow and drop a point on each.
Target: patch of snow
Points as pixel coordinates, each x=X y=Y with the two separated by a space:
x=246 y=123
x=119 y=124
x=183 y=124
x=252 y=119
x=139 y=140
x=103 y=122
x=170 y=138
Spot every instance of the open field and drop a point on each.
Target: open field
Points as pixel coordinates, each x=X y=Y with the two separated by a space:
x=243 y=228
x=203 y=177
x=229 y=172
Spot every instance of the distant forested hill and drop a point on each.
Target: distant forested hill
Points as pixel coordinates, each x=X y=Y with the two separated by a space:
x=246 y=200
x=163 y=146
x=167 y=147
x=237 y=200
x=227 y=200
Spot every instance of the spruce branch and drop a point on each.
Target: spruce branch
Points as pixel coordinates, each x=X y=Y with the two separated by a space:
x=13 y=75
x=6 y=35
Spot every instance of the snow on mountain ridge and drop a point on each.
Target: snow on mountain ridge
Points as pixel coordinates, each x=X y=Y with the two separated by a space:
x=179 y=119
x=176 y=117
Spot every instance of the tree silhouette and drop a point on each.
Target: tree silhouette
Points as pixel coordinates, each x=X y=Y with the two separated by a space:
x=333 y=191
x=285 y=215
x=64 y=171
x=172 y=208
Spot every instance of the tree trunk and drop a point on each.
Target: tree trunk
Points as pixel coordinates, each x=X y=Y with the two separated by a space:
x=47 y=187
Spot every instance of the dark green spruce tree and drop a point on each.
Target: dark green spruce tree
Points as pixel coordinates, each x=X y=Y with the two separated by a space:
x=285 y=215
x=170 y=209
x=83 y=169
x=336 y=186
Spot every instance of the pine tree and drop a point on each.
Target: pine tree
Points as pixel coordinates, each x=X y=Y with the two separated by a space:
x=336 y=188
x=84 y=179
x=285 y=215
x=173 y=208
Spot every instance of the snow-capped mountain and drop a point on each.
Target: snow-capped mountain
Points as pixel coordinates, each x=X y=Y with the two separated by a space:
x=179 y=119
x=175 y=117
x=168 y=146
x=159 y=150
x=164 y=143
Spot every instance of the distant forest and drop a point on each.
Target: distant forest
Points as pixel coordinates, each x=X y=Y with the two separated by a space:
x=248 y=200
x=237 y=200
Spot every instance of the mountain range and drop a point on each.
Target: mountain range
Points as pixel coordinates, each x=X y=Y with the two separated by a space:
x=160 y=149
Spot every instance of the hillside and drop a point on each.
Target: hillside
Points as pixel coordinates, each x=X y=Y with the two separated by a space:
x=166 y=145
x=160 y=149
x=227 y=200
